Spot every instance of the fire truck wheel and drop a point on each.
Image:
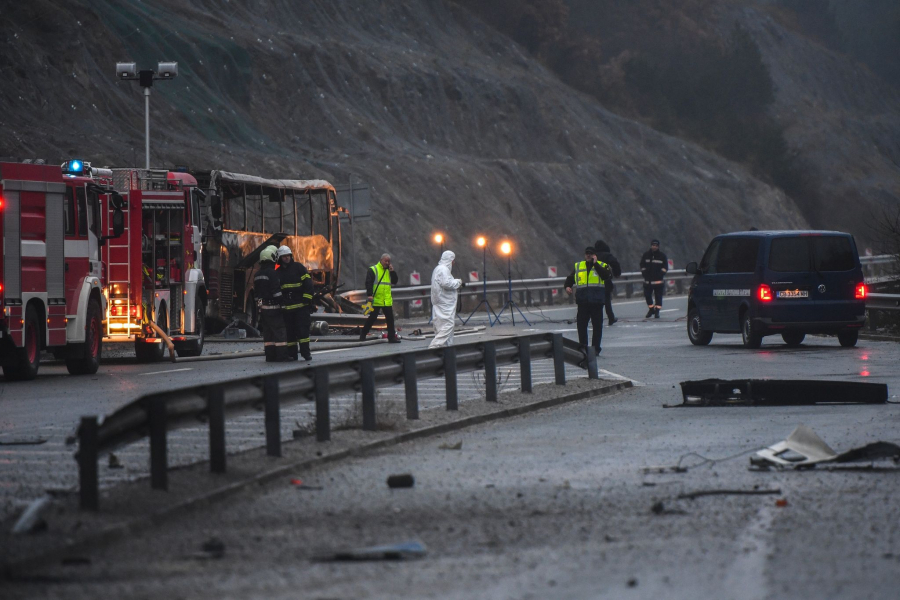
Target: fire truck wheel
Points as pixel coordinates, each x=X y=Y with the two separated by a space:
x=194 y=347
x=26 y=359
x=150 y=352
x=93 y=343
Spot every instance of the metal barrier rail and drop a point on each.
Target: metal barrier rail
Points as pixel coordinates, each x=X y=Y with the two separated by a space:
x=499 y=286
x=875 y=301
x=154 y=415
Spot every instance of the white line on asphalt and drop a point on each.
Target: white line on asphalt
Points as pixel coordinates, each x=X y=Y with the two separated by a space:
x=668 y=309
x=617 y=376
x=169 y=371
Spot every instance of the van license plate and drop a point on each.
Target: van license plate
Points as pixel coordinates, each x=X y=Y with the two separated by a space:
x=793 y=294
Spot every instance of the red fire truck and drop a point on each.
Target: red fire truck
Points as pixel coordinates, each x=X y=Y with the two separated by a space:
x=82 y=258
x=154 y=268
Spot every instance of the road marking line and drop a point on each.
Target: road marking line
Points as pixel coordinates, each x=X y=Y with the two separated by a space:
x=169 y=371
x=669 y=310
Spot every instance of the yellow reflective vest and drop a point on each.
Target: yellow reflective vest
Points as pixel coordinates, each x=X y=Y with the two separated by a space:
x=382 y=286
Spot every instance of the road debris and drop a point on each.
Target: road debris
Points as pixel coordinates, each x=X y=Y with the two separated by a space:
x=298 y=483
x=32 y=520
x=404 y=550
x=404 y=480
x=701 y=493
x=30 y=441
x=659 y=508
x=804 y=449
x=449 y=446
x=779 y=392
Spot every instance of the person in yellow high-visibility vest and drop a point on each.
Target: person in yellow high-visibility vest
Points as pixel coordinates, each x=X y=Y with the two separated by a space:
x=588 y=279
x=379 y=279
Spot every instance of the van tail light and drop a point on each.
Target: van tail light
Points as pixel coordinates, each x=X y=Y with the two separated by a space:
x=765 y=293
x=862 y=290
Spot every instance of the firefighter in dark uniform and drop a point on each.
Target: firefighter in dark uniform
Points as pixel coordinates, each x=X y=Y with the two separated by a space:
x=297 y=290
x=605 y=255
x=267 y=288
x=654 y=265
x=588 y=280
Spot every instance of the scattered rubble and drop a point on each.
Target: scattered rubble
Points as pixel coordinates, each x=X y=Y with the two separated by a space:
x=779 y=392
x=804 y=449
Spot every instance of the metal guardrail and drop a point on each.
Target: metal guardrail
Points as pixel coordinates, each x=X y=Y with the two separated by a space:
x=536 y=286
x=154 y=415
x=500 y=286
x=875 y=301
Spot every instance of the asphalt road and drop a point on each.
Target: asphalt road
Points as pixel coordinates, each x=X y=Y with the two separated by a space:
x=558 y=504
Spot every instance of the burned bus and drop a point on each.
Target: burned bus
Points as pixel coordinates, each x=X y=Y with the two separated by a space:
x=246 y=214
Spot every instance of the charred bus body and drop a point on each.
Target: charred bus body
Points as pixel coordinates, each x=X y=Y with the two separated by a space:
x=246 y=214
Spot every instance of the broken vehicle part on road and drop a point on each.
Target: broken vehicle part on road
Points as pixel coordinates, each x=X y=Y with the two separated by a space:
x=779 y=392
x=403 y=550
x=803 y=448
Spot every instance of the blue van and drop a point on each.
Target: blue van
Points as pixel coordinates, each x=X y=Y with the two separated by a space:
x=760 y=283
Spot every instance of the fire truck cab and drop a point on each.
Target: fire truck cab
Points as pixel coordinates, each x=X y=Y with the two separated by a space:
x=51 y=273
x=155 y=283
x=92 y=254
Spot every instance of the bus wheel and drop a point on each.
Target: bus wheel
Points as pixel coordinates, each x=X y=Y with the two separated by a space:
x=194 y=347
x=89 y=361
x=26 y=360
x=149 y=351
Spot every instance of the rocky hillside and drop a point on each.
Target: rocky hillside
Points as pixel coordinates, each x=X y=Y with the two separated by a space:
x=454 y=126
x=841 y=120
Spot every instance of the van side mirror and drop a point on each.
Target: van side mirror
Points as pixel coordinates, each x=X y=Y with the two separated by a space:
x=691 y=268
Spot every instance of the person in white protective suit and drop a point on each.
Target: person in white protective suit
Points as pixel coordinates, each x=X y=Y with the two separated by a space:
x=443 y=301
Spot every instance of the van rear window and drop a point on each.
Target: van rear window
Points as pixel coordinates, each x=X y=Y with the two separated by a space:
x=737 y=255
x=789 y=255
x=833 y=253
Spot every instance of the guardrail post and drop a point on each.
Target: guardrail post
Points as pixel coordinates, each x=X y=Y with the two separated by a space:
x=273 y=416
x=490 y=371
x=88 y=484
x=406 y=309
x=411 y=385
x=450 y=378
x=592 y=363
x=159 y=464
x=525 y=363
x=216 y=408
x=559 y=365
x=367 y=378
x=323 y=416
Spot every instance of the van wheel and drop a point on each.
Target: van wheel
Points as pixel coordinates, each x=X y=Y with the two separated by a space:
x=793 y=338
x=89 y=363
x=26 y=360
x=848 y=339
x=696 y=334
x=751 y=337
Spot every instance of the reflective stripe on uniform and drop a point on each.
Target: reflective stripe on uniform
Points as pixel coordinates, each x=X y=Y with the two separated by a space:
x=585 y=277
x=285 y=286
x=275 y=343
x=294 y=306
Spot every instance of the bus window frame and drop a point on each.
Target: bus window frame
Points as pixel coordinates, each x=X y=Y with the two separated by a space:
x=260 y=225
x=266 y=199
x=288 y=196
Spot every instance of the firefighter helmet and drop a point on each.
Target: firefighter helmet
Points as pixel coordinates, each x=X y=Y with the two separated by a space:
x=284 y=251
x=268 y=254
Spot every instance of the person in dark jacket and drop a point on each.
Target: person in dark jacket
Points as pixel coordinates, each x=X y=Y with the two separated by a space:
x=604 y=255
x=297 y=289
x=654 y=266
x=380 y=278
x=267 y=288
x=587 y=279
